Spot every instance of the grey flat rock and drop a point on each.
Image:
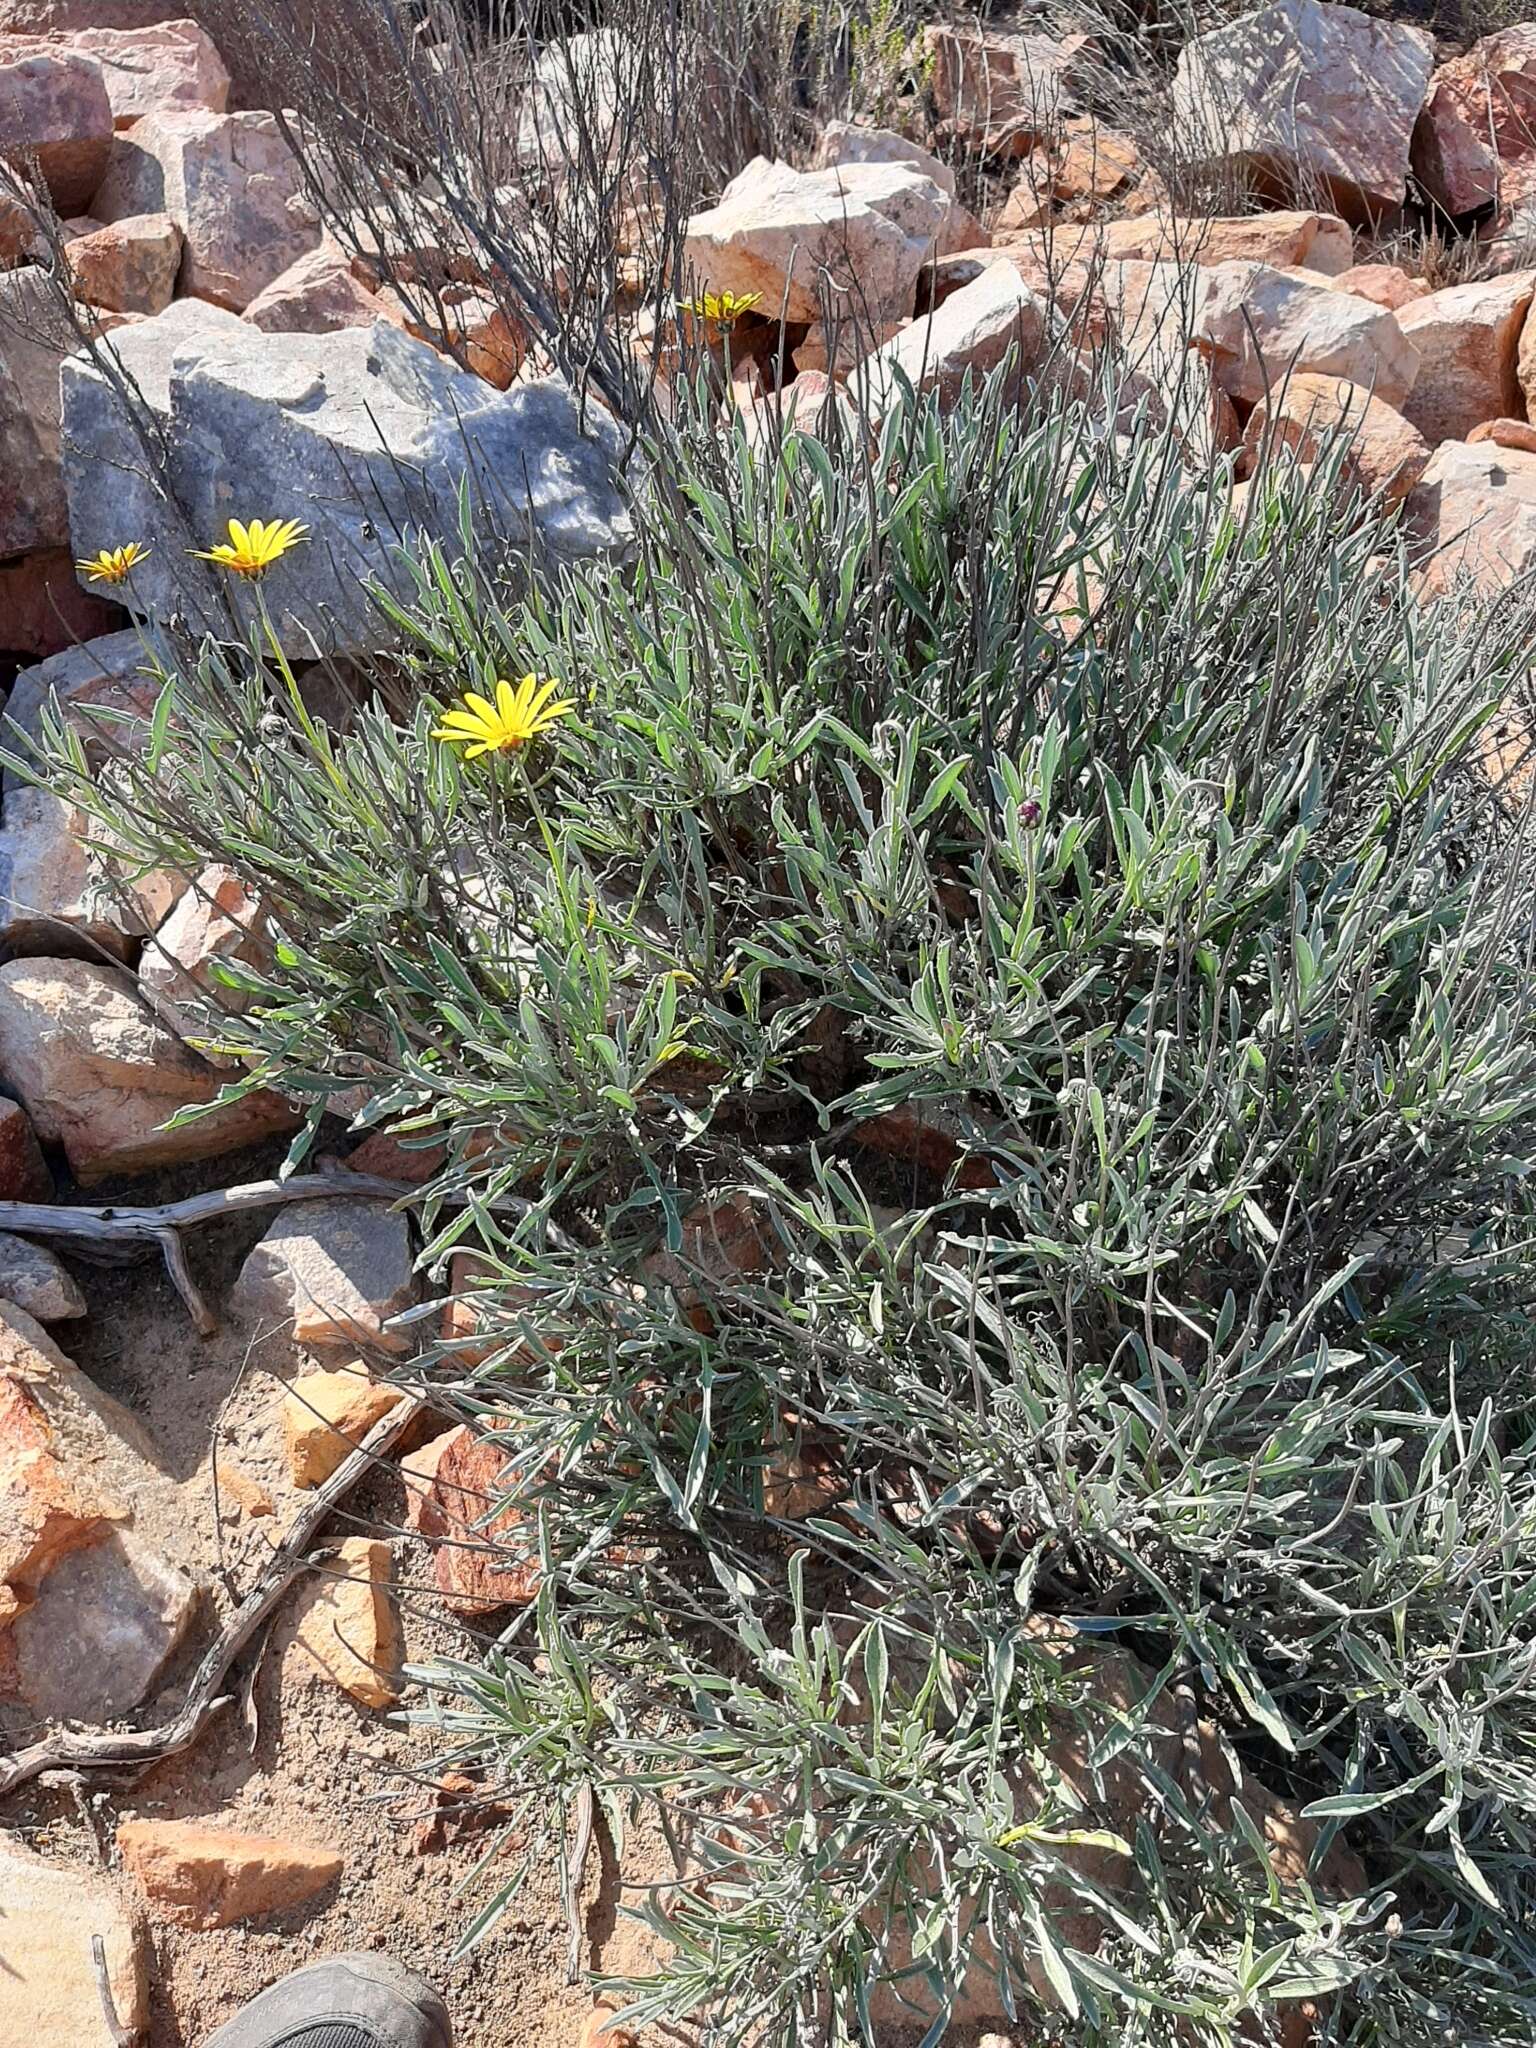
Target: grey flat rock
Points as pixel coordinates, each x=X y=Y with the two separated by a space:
x=36 y=1281
x=366 y=435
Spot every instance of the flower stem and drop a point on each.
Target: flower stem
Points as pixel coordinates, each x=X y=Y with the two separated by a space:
x=307 y=724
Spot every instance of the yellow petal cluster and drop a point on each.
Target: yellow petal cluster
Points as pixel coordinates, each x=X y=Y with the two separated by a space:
x=519 y=714
x=252 y=548
x=721 y=309
x=113 y=565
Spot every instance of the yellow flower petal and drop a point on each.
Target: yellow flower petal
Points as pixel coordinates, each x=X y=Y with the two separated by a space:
x=520 y=712
x=253 y=547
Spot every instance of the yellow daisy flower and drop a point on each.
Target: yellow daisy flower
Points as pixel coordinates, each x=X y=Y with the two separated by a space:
x=113 y=565
x=518 y=715
x=251 y=550
x=721 y=309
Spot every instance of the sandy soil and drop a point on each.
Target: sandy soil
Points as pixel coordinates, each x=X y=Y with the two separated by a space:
x=307 y=1761
x=297 y=1756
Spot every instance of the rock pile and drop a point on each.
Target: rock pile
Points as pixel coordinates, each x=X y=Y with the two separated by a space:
x=190 y=229
x=1301 y=101
x=173 y=209
x=290 y=377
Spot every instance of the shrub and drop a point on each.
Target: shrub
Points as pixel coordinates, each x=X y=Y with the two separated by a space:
x=1005 y=1004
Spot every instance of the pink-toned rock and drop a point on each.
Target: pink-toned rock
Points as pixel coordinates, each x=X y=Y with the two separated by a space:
x=240 y=1493
x=486 y=1316
x=1258 y=325
x=43 y=609
x=39 y=1284
x=853 y=142
x=861 y=231
x=231 y=184
x=101 y=1630
x=832 y=348
x=99 y=1076
x=54 y=1428
x=60 y=894
x=326 y=1415
x=89 y=1614
x=1003 y=92
x=463 y=323
x=347 y=1626
x=91 y=687
x=802 y=1479
x=54 y=113
x=485 y=338
x=35 y=337
x=1506 y=236
x=399 y=1157
x=1030 y=207
x=128 y=266
x=481 y=1559
x=217 y=922
x=1479 y=121
x=1387 y=455
x=1525 y=370
x=1320 y=241
x=813 y=404
x=1144 y=314
x=196 y=1876
x=1091 y=164
x=172 y=67
x=1384 y=284
x=316 y=295
x=1473 y=515
x=1518 y=434
x=419 y=244
x=60 y=18
x=971 y=334
x=366 y=49
x=21 y=240
x=24 y=1175
x=50 y=1994
x=330 y=1273
x=1468 y=339
x=718 y=1242
x=1307 y=97
x=1071 y=176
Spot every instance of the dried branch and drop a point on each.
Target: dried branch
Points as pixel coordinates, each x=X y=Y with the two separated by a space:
x=122 y=2036
x=161 y=1223
x=138 y=1749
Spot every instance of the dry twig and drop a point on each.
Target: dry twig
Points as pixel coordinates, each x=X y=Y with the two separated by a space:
x=137 y=1749
x=163 y=1223
x=121 y=2035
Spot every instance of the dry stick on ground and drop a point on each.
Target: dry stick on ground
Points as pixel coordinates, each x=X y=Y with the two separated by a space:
x=163 y=1223
x=93 y=1749
x=120 y=2034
